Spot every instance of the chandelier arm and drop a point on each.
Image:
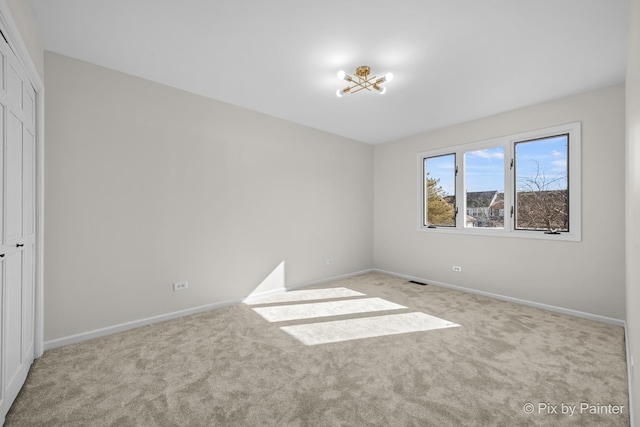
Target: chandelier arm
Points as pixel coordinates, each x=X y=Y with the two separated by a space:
x=366 y=83
x=362 y=81
x=359 y=89
x=370 y=82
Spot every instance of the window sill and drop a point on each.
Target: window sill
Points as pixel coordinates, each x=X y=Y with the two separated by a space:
x=499 y=232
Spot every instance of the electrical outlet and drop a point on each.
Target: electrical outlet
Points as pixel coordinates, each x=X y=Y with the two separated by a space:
x=457 y=269
x=180 y=286
x=329 y=261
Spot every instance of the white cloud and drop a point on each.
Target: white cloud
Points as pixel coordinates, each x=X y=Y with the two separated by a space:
x=485 y=154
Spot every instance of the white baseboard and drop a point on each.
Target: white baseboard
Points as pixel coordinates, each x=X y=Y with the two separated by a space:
x=259 y=295
x=329 y=279
x=629 y=376
x=96 y=333
x=553 y=308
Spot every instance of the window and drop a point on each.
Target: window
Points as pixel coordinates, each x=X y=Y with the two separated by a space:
x=542 y=190
x=440 y=190
x=525 y=185
x=484 y=186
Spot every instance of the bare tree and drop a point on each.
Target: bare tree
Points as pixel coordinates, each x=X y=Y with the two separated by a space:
x=542 y=203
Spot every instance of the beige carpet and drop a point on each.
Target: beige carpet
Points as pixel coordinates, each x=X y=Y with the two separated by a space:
x=231 y=367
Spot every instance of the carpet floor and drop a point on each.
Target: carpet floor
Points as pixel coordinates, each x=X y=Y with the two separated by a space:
x=494 y=363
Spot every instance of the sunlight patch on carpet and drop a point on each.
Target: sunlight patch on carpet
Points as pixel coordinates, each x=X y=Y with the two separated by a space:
x=283 y=313
x=369 y=327
x=306 y=295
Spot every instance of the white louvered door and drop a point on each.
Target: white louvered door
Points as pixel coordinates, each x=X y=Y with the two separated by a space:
x=17 y=226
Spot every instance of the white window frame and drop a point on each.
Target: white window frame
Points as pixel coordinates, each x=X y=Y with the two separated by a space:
x=508 y=142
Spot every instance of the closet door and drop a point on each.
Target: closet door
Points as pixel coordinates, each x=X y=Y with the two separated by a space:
x=17 y=234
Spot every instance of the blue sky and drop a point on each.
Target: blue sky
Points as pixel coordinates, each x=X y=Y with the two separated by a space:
x=484 y=169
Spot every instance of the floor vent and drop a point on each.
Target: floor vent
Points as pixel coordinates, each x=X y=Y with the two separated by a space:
x=418 y=283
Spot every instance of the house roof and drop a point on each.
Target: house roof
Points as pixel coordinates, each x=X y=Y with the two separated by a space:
x=498 y=201
x=480 y=199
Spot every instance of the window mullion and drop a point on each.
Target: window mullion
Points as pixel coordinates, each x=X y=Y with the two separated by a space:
x=509 y=185
x=460 y=203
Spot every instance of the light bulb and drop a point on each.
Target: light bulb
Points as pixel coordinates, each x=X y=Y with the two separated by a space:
x=383 y=89
x=388 y=77
x=339 y=93
x=341 y=74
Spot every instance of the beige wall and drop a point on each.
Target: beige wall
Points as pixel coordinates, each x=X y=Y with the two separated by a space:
x=633 y=199
x=25 y=23
x=586 y=276
x=147 y=185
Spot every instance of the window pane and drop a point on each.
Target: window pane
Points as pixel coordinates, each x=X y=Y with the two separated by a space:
x=484 y=188
x=542 y=184
x=440 y=190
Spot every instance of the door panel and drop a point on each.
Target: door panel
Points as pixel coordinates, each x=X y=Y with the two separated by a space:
x=28 y=302
x=14 y=165
x=13 y=307
x=14 y=86
x=28 y=183
x=3 y=393
x=2 y=150
x=29 y=106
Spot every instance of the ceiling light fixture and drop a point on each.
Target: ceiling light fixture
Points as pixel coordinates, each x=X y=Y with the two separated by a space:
x=363 y=81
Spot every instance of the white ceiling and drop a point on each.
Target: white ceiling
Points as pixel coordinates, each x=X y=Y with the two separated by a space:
x=452 y=60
